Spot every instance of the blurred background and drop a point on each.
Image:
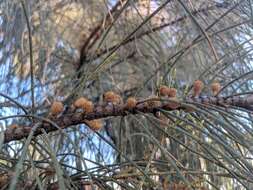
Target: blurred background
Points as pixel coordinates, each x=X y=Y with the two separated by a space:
x=64 y=49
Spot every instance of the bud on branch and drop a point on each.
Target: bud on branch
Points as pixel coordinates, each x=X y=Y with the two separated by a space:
x=108 y=110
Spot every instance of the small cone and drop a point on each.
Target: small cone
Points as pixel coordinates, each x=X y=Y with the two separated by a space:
x=56 y=108
x=197 y=88
x=164 y=90
x=215 y=87
x=80 y=102
x=84 y=104
x=172 y=93
x=112 y=97
x=131 y=103
x=95 y=124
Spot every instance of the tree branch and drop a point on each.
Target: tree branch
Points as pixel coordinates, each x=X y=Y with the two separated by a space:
x=96 y=32
x=155 y=29
x=151 y=105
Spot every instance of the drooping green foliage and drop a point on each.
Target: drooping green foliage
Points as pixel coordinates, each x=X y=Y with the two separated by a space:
x=62 y=50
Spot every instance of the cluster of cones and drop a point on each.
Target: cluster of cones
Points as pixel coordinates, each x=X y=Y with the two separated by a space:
x=198 y=86
x=87 y=107
x=112 y=98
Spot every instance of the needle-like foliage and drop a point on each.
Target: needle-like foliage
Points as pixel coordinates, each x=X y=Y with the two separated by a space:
x=122 y=59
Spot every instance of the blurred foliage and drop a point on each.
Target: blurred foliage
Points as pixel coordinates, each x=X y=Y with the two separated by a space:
x=64 y=49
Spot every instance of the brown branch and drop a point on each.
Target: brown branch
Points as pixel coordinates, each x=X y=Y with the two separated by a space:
x=157 y=28
x=96 y=32
x=103 y=111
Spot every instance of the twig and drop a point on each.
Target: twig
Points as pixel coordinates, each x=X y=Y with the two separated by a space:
x=103 y=111
x=31 y=55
